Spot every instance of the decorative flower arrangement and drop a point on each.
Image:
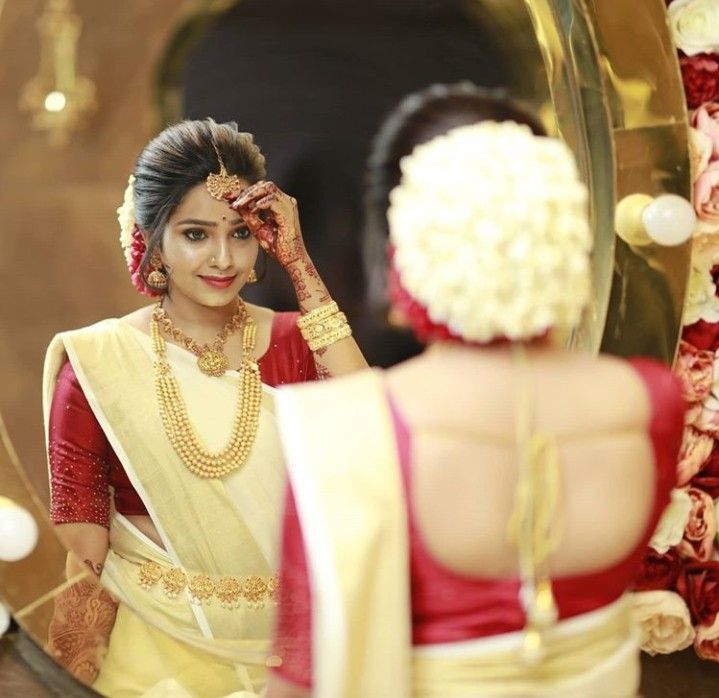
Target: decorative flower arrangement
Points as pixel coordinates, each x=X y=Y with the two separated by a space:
x=131 y=239
x=677 y=599
x=455 y=251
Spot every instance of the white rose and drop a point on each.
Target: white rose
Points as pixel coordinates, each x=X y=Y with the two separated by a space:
x=694 y=25
x=701 y=302
x=663 y=620
x=673 y=522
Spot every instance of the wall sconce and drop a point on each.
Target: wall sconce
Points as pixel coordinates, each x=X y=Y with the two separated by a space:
x=57 y=98
x=666 y=220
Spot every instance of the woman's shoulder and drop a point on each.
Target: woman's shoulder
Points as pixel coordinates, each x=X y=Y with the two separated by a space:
x=105 y=330
x=139 y=319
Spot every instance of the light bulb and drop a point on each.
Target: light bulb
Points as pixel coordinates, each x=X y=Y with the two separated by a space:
x=4 y=619
x=669 y=220
x=55 y=101
x=18 y=531
x=628 y=219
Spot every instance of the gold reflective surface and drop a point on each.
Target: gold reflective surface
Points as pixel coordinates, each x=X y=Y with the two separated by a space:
x=604 y=76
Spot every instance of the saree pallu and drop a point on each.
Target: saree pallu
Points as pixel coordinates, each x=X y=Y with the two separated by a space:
x=198 y=613
x=346 y=480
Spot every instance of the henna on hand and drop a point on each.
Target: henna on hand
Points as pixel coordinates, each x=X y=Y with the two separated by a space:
x=272 y=217
x=323 y=373
x=80 y=628
x=96 y=567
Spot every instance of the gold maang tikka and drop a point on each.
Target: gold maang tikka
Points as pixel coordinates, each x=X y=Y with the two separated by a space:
x=223 y=186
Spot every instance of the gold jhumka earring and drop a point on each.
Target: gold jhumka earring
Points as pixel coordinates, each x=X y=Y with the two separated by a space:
x=157 y=278
x=252 y=277
x=223 y=186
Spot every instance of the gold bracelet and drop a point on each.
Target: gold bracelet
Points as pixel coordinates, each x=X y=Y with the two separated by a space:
x=317 y=329
x=317 y=315
x=330 y=337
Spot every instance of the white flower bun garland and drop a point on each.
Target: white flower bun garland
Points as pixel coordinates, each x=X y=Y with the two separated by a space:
x=491 y=232
x=126 y=219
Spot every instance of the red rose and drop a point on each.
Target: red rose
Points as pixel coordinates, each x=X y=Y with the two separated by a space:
x=701 y=529
x=708 y=477
x=702 y=334
x=658 y=571
x=700 y=74
x=698 y=583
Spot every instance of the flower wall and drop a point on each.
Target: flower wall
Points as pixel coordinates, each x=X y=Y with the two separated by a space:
x=677 y=599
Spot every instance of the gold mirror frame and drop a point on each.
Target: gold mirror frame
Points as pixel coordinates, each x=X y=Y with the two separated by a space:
x=620 y=106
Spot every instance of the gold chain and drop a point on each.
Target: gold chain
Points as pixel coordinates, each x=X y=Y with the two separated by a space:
x=176 y=420
x=211 y=358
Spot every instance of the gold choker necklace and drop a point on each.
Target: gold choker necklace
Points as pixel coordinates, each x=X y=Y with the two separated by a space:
x=176 y=420
x=211 y=359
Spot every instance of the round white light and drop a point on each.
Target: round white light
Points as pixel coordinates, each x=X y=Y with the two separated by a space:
x=55 y=101
x=669 y=220
x=628 y=219
x=18 y=531
x=4 y=619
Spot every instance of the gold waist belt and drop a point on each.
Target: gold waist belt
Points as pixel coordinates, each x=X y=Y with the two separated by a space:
x=232 y=592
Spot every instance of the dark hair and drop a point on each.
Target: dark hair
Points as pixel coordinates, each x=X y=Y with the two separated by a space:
x=179 y=158
x=418 y=118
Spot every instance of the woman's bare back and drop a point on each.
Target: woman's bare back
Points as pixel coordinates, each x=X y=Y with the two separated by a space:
x=459 y=405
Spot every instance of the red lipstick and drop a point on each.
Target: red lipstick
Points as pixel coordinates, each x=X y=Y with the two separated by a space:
x=219 y=281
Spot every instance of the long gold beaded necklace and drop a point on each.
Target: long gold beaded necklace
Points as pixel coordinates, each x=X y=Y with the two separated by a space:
x=211 y=358
x=175 y=419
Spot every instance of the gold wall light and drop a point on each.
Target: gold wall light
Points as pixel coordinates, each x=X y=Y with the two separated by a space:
x=58 y=100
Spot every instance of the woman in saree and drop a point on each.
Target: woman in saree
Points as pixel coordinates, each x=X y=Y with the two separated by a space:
x=166 y=472
x=467 y=523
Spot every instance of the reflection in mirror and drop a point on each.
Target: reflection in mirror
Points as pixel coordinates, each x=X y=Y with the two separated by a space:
x=192 y=576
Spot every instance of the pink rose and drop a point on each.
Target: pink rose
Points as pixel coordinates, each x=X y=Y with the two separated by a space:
x=698 y=541
x=695 y=369
x=696 y=449
x=706 y=121
x=706 y=642
x=706 y=198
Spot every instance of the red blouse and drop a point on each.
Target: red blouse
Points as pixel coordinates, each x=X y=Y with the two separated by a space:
x=83 y=466
x=450 y=607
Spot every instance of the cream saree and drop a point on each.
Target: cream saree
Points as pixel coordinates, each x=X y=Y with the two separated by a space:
x=195 y=618
x=346 y=481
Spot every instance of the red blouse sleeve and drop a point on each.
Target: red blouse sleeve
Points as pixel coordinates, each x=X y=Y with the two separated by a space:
x=293 y=632
x=666 y=427
x=78 y=455
x=288 y=359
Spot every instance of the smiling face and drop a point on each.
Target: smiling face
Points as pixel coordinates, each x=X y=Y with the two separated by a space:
x=207 y=250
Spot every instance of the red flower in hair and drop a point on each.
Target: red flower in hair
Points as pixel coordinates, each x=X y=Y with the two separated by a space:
x=700 y=74
x=137 y=252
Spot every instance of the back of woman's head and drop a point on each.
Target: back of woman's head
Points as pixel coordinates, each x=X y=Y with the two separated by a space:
x=488 y=223
x=418 y=118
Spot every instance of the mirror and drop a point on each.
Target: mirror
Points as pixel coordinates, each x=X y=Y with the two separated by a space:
x=618 y=104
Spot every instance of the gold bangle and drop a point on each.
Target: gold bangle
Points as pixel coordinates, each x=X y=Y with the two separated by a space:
x=331 y=337
x=318 y=314
x=317 y=329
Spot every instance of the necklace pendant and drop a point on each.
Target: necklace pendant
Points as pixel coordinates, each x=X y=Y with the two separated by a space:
x=213 y=363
